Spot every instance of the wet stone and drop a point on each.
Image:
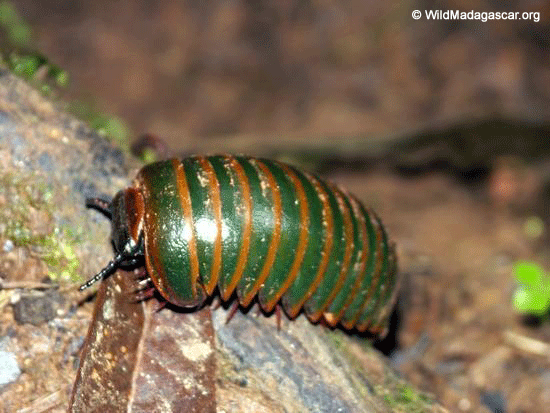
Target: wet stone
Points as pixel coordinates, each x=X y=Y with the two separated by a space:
x=494 y=401
x=36 y=307
x=9 y=369
x=8 y=246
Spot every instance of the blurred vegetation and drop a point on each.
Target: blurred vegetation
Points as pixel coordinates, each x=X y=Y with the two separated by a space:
x=19 y=53
x=107 y=125
x=18 y=32
x=407 y=399
x=532 y=297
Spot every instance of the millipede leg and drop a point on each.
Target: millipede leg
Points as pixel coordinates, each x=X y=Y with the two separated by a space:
x=232 y=311
x=145 y=294
x=278 y=316
x=141 y=273
x=161 y=306
x=144 y=284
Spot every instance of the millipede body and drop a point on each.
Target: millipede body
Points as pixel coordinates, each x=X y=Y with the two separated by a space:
x=257 y=228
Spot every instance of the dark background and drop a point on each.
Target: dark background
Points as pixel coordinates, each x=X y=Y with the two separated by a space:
x=441 y=125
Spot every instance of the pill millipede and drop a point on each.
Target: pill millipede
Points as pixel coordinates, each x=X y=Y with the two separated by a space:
x=257 y=228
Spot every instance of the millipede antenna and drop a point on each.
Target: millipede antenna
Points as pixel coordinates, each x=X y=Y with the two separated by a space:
x=100 y=205
x=113 y=265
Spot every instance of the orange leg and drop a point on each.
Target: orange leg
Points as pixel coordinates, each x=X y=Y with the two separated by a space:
x=232 y=311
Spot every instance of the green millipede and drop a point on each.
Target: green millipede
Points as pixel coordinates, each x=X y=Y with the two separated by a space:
x=259 y=228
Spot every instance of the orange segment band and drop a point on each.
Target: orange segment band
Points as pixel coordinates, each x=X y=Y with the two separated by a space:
x=214 y=189
x=153 y=265
x=348 y=234
x=275 y=238
x=364 y=255
x=327 y=248
x=302 y=241
x=185 y=200
x=247 y=231
x=379 y=327
x=376 y=275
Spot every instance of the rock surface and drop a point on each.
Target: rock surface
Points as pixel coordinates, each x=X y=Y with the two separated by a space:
x=49 y=163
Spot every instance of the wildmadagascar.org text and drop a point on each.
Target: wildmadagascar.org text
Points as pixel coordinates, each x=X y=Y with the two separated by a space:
x=477 y=15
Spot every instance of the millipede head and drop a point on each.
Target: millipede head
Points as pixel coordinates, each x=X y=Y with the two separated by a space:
x=125 y=212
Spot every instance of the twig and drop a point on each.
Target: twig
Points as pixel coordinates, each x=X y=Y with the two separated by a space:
x=30 y=285
x=43 y=404
x=527 y=344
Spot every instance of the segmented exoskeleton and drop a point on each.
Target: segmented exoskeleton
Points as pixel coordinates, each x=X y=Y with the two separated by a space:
x=259 y=228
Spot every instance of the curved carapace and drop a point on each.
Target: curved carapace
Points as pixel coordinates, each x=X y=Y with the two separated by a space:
x=259 y=228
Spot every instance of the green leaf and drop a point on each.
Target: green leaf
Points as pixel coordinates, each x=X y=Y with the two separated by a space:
x=62 y=78
x=529 y=273
x=529 y=301
x=149 y=156
x=21 y=34
x=8 y=14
